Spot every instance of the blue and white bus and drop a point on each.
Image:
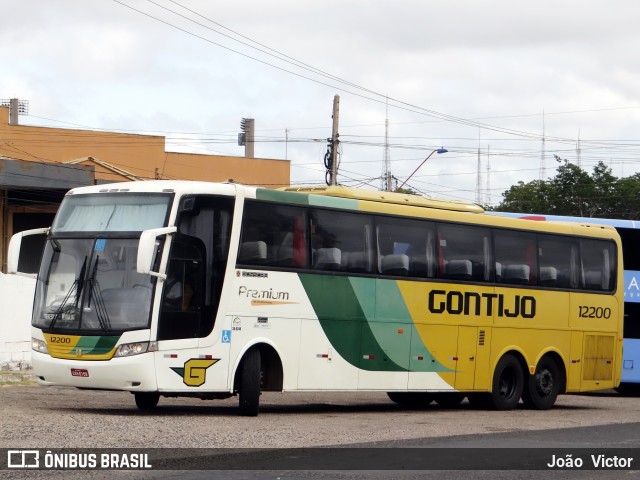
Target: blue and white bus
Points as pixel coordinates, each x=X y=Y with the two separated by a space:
x=629 y=231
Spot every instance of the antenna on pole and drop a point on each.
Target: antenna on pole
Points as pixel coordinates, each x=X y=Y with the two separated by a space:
x=247 y=136
x=16 y=107
x=330 y=158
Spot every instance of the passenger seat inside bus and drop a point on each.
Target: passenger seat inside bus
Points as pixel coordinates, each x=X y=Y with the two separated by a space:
x=395 y=264
x=593 y=280
x=459 y=269
x=548 y=276
x=253 y=252
x=328 y=258
x=516 y=274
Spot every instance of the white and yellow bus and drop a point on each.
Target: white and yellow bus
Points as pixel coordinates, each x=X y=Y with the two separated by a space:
x=207 y=290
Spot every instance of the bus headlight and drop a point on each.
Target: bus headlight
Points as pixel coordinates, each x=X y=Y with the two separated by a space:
x=39 y=345
x=129 y=349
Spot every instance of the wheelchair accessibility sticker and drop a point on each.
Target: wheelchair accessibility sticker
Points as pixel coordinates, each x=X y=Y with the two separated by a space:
x=226 y=336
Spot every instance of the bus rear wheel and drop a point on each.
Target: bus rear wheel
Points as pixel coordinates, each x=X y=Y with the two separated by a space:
x=147 y=400
x=250 y=380
x=411 y=398
x=508 y=383
x=542 y=388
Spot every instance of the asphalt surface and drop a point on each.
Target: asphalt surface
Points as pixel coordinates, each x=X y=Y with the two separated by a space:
x=55 y=417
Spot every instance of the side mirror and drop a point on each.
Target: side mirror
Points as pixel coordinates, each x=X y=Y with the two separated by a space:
x=13 y=254
x=147 y=248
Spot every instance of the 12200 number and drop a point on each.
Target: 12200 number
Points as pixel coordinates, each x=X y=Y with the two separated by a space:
x=594 y=312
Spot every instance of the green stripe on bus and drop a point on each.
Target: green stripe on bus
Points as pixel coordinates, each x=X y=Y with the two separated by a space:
x=374 y=336
x=284 y=197
x=341 y=312
x=306 y=199
x=96 y=345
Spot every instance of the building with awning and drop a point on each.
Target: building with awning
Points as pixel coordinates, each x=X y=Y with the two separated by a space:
x=38 y=165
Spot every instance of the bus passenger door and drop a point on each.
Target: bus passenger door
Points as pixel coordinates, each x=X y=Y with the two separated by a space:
x=180 y=314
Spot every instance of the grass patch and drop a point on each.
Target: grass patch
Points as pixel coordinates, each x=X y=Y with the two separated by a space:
x=8 y=377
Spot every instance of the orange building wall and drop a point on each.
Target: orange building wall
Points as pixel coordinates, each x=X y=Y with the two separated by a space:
x=141 y=155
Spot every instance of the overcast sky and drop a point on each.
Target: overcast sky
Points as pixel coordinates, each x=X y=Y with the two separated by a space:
x=463 y=75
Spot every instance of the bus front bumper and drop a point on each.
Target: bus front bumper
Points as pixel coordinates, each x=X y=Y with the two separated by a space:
x=134 y=374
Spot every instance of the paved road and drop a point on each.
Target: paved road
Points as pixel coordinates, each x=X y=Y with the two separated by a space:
x=41 y=417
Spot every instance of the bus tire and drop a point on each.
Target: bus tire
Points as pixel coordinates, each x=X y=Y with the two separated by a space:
x=541 y=389
x=147 y=400
x=449 y=399
x=250 y=380
x=411 y=398
x=508 y=383
x=629 y=389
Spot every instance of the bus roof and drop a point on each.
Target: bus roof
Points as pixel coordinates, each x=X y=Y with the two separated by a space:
x=388 y=197
x=613 y=222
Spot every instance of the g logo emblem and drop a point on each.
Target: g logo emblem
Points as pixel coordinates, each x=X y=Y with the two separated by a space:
x=194 y=371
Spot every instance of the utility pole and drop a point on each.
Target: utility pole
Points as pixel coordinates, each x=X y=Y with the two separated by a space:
x=387 y=157
x=334 y=140
x=286 y=144
x=330 y=161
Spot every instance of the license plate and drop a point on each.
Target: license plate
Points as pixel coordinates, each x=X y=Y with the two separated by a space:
x=79 y=372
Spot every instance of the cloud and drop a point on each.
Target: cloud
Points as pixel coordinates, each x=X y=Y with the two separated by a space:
x=496 y=62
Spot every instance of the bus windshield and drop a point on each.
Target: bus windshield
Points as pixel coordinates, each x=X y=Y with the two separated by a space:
x=92 y=284
x=88 y=279
x=111 y=212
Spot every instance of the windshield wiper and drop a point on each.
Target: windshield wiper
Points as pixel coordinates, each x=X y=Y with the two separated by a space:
x=76 y=287
x=94 y=291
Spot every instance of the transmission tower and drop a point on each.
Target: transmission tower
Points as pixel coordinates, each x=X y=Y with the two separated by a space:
x=542 y=151
x=479 y=176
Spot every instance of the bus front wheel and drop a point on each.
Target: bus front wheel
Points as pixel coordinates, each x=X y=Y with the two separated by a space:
x=508 y=383
x=542 y=388
x=250 y=380
x=147 y=400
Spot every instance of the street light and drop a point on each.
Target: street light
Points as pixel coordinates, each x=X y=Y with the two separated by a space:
x=439 y=150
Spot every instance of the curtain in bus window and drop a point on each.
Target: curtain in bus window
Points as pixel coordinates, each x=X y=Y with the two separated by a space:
x=113 y=218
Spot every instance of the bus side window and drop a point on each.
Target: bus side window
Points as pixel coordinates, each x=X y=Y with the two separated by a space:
x=273 y=235
x=559 y=256
x=597 y=265
x=341 y=241
x=463 y=252
x=405 y=247
x=515 y=257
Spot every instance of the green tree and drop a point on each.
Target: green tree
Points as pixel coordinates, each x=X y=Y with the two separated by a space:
x=572 y=191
